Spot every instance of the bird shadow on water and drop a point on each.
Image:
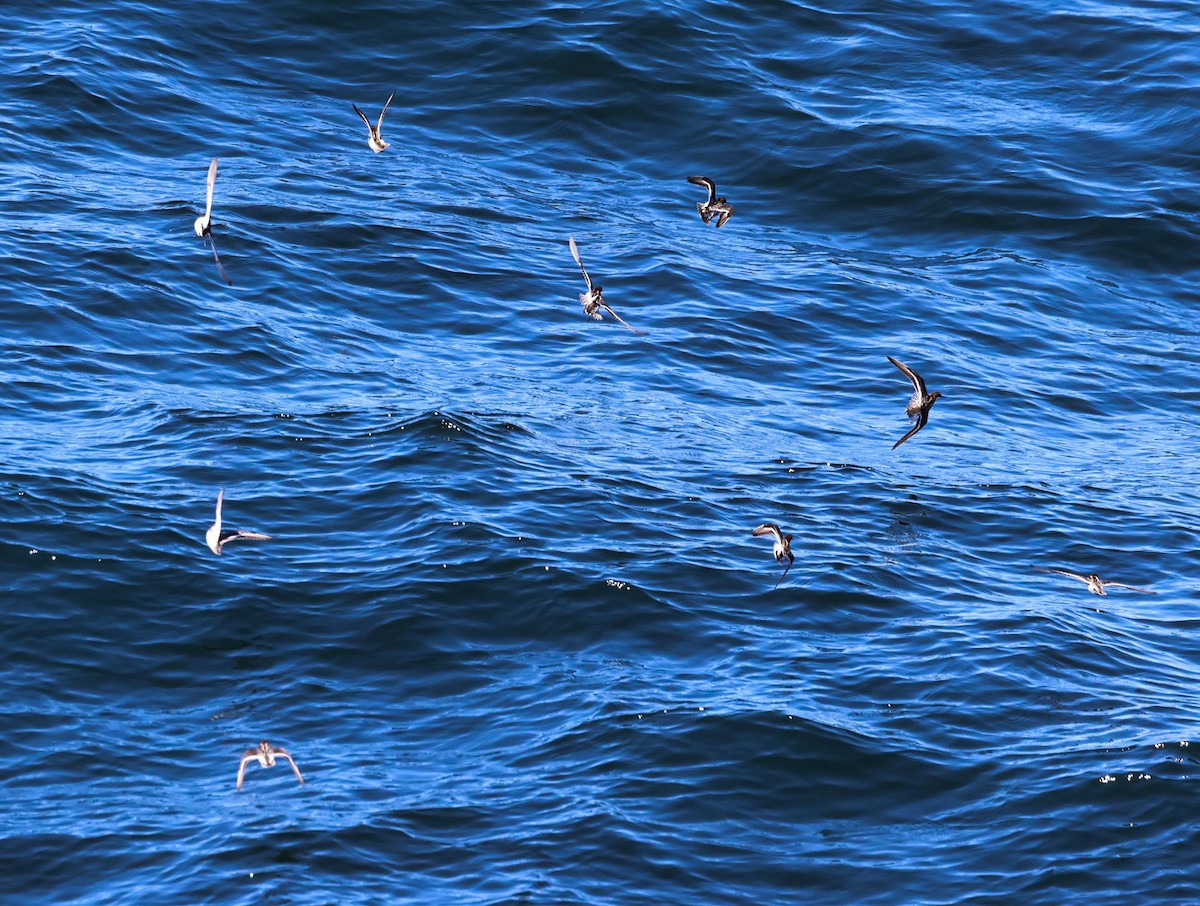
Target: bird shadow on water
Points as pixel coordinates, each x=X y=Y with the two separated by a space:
x=903 y=533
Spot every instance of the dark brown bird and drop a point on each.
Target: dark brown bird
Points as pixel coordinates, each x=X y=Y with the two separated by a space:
x=217 y=537
x=714 y=207
x=920 y=403
x=265 y=755
x=783 y=546
x=374 y=139
x=203 y=225
x=593 y=299
x=1095 y=584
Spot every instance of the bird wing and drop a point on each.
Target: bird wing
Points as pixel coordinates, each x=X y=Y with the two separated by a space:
x=370 y=127
x=213 y=535
x=707 y=183
x=217 y=258
x=212 y=181
x=575 y=255
x=917 y=382
x=785 y=571
x=608 y=309
x=242 y=535
x=250 y=755
x=767 y=528
x=1144 y=591
x=382 y=112
x=285 y=754
x=1064 y=572
x=726 y=213
x=922 y=418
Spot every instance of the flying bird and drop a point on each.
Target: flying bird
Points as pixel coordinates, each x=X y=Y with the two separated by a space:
x=920 y=404
x=375 y=140
x=593 y=299
x=217 y=537
x=204 y=223
x=265 y=755
x=714 y=207
x=1095 y=584
x=783 y=546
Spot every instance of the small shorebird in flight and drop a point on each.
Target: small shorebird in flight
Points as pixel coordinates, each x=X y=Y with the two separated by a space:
x=375 y=140
x=1095 y=584
x=783 y=546
x=204 y=223
x=266 y=755
x=920 y=404
x=714 y=207
x=217 y=537
x=593 y=299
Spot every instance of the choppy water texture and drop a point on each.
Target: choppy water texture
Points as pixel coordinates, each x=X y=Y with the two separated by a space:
x=513 y=626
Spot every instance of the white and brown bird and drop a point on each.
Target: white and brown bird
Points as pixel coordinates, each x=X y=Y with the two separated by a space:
x=920 y=403
x=783 y=546
x=265 y=754
x=593 y=299
x=218 y=537
x=203 y=223
x=374 y=139
x=714 y=206
x=1094 y=583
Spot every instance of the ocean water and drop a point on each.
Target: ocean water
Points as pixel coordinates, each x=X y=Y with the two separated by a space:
x=512 y=624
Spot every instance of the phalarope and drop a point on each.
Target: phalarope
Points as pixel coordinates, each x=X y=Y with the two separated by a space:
x=1094 y=583
x=783 y=546
x=920 y=403
x=375 y=140
x=217 y=537
x=714 y=207
x=266 y=755
x=593 y=299
x=203 y=223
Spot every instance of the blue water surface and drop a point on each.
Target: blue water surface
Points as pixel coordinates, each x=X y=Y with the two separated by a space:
x=512 y=623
